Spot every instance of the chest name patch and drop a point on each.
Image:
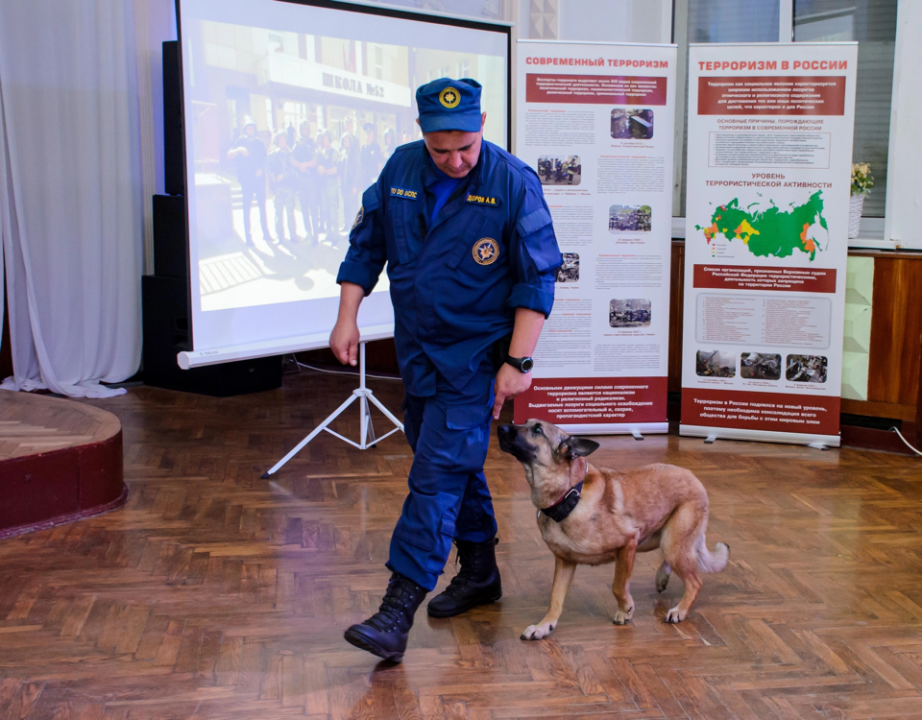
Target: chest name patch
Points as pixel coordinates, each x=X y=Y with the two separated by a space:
x=482 y=200
x=485 y=251
x=402 y=193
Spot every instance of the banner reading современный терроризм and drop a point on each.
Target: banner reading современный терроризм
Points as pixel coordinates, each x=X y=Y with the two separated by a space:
x=595 y=121
x=769 y=167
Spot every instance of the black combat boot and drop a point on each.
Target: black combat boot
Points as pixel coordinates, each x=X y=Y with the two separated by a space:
x=385 y=633
x=477 y=583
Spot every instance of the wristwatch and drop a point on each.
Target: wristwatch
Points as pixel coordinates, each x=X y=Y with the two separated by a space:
x=523 y=365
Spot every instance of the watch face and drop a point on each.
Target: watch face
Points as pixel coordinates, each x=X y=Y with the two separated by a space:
x=527 y=364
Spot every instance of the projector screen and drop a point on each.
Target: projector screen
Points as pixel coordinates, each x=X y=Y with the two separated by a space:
x=290 y=111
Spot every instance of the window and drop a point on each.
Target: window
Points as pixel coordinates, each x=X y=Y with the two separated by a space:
x=293 y=114
x=269 y=119
x=713 y=21
x=377 y=62
x=871 y=22
x=718 y=21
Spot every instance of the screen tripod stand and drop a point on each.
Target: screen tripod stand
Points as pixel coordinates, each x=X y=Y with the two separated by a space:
x=367 y=436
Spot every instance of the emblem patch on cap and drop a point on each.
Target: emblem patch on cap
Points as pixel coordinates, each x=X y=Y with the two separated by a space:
x=485 y=251
x=359 y=216
x=450 y=98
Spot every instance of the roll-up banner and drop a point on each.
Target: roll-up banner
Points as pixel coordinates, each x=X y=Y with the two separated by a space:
x=595 y=121
x=769 y=167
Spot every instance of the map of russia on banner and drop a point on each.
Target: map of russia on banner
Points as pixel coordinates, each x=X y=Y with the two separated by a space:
x=769 y=172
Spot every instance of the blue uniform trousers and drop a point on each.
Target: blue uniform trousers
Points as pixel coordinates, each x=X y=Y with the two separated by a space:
x=449 y=433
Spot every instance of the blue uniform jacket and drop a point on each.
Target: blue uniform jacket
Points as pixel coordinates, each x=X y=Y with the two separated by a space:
x=455 y=285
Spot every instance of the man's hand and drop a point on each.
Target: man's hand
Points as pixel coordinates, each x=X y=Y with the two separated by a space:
x=509 y=383
x=344 y=341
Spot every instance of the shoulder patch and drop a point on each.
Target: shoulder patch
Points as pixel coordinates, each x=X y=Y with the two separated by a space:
x=533 y=222
x=404 y=193
x=371 y=199
x=483 y=200
x=359 y=217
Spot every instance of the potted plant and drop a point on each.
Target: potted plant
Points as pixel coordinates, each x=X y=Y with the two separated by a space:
x=862 y=182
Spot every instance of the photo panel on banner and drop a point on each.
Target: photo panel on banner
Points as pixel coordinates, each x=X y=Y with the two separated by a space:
x=769 y=173
x=595 y=121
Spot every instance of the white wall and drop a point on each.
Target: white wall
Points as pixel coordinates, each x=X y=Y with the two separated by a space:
x=652 y=21
x=595 y=20
x=904 y=197
x=615 y=20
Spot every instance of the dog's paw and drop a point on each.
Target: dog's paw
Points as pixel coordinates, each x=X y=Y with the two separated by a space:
x=623 y=618
x=675 y=615
x=538 y=632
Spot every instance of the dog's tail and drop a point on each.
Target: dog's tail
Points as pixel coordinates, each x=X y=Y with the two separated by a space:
x=711 y=562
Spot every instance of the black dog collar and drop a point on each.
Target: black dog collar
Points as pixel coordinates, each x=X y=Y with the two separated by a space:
x=560 y=510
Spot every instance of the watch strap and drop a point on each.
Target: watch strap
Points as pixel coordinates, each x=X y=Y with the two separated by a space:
x=519 y=363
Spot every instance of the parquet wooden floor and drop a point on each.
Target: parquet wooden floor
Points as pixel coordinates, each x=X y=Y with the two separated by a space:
x=216 y=594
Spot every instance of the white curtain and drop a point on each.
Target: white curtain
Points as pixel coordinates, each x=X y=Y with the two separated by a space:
x=71 y=198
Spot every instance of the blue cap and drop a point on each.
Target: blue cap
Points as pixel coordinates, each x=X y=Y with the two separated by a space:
x=447 y=104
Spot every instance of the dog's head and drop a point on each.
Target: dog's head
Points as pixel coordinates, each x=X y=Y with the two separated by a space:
x=550 y=456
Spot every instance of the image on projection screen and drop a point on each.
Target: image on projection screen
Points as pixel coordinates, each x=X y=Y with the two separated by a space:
x=291 y=112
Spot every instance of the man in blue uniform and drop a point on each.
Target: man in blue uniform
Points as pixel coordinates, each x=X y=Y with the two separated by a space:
x=471 y=256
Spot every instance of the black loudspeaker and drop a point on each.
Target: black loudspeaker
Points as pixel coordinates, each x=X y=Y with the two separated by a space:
x=165 y=295
x=171 y=255
x=166 y=332
x=174 y=166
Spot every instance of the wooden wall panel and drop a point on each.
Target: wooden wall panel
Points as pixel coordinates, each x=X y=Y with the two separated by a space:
x=896 y=330
x=894 y=388
x=896 y=336
x=381 y=356
x=676 y=308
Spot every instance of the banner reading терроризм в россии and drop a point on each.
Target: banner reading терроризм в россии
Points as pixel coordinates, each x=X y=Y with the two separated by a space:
x=595 y=121
x=769 y=166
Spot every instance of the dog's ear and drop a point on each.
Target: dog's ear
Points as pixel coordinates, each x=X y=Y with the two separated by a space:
x=576 y=447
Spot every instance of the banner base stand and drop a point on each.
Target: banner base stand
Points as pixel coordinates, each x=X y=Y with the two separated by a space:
x=711 y=434
x=635 y=429
x=710 y=439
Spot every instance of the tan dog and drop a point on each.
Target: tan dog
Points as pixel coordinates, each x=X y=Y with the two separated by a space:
x=616 y=515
